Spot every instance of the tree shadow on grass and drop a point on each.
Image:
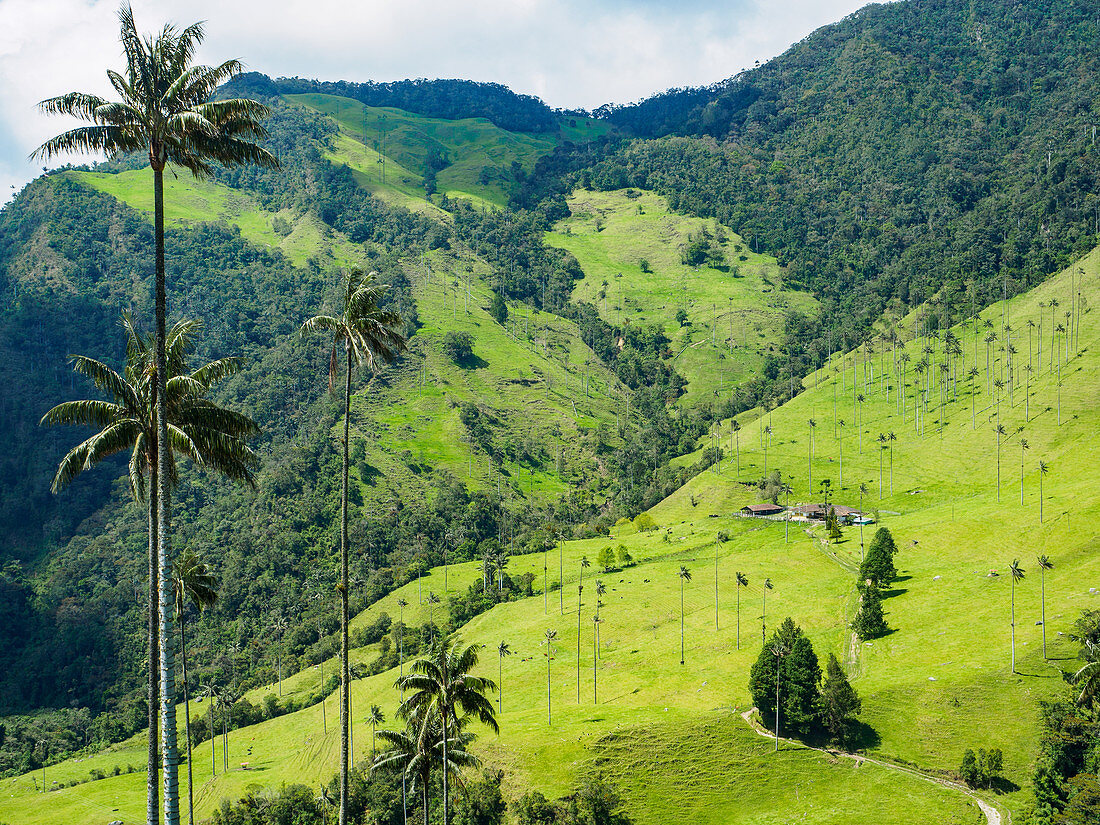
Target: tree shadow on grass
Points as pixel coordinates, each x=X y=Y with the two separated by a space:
x=368 y=473
x=862 y=736
x=472 y=362
x=1000 y=785
x=896 y=591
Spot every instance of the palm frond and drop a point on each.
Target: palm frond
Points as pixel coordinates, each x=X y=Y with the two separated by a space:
x=90 y=413
x=88 y=139
x=74 y=104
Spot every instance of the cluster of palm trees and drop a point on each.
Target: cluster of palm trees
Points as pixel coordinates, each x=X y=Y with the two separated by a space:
x=158 y=407
x=1017 y=573
x=444 y=698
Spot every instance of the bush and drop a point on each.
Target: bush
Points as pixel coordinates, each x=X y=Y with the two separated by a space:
x=606 y=559
x=498 y=309
x=979 y=770
x=622 y=555
x=644 y=522
x=459 y=347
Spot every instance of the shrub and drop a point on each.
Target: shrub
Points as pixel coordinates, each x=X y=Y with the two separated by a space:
x=644 y=522
x=459 y=347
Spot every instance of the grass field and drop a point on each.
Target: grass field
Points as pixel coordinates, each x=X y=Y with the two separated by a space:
x=187 y=200
x=527 y=377
x=478 y=155
x=735 y=313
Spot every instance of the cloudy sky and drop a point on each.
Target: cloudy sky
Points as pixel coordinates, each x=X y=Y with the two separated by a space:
x=571 y=53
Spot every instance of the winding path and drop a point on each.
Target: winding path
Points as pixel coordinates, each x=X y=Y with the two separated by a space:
x=992 y=815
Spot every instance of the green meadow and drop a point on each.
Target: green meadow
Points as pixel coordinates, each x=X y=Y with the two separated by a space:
x=187 y=200
x=476 y=156
x=735 y=310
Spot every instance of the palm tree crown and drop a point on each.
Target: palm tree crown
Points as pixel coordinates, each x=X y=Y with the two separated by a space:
x=164 y=107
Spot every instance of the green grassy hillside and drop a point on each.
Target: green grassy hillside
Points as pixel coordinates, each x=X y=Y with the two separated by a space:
x=735 y=307
x=299 y=236
x=942 y=681
x=474 y=158
x=529 y=378
x=647 y=710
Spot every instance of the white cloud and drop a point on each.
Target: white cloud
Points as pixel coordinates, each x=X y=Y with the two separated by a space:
x=571 y=53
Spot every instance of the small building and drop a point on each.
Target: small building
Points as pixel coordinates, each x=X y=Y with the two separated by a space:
x=814 y=512
x=767 y=509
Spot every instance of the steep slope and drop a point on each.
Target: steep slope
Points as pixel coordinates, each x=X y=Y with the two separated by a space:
x=415 y=156
x=909 y=149
x=644 y=264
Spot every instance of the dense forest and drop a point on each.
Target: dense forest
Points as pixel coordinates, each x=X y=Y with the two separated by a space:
x=910 y=151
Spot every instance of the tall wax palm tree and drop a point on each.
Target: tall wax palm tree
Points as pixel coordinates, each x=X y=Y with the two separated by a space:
x=1023 y=448
x=1000 y=431
x=840 y=447
x=716 y=543
x=810 y=456
x=735 y=432
x=1017 y=575
x=209 y=693
x=767 y=440
x=502 y=650
x=420 y=747
x=368 y=335
x=780 y=650
x=741 y=581
x=1044 y=468
x=1045 y=564
x=580 y=589
x=764 y=610
x=442 y=684
x=548 y=640
x=685 y=576
x=280 y=626
x=433 y=600
x=376 y=718
x=191 y=581
x=882 y=448
x=891 y=438
x=601 y=588
x=862 y=493
x=199 y=429
x=595 y=654
x=401 y=605
x=166 y=111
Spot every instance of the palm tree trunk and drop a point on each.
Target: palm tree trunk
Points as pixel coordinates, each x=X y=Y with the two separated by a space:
x=1043 y=603
x=345 y=692
x=169 y=754
x=681 y=621
x=152 y=803
x=213 y=740
x=1013 y=624
x=424 y=796
x=738 y=616
x=446 y=772
x=187 y=726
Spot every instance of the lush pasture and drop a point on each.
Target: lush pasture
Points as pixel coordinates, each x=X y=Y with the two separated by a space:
x=475 y=156
x=189 y=200
x=734 y=310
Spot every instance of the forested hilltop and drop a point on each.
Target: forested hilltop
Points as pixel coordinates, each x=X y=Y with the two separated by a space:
x=895 y=173
x=911 y=152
